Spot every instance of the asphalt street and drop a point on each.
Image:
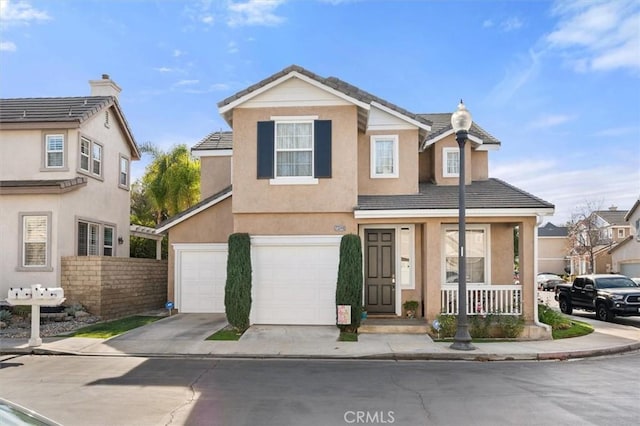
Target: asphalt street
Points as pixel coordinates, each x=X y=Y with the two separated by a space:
x=77 y=390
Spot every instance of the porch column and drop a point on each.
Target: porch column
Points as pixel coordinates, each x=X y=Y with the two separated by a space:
x=527 y=258
x=431 y=268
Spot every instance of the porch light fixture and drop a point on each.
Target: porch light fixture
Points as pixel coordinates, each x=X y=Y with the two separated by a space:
x=461 y=123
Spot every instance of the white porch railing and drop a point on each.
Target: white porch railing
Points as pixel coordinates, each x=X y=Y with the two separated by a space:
x=484 y=299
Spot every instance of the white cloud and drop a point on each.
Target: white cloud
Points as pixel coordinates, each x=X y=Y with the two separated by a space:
x=487 y=23
x=232 y=47
x=20 y=13
x=550 y=121
x=177 y=53
x=617 y=131
x=254 y=12
x=567 y=188
x=187 y=82
x=219 y=87
x=511 y=24
x=163 y=69
x=7 y=46
x=524 y=69
x=207 y=19
x=598 y=35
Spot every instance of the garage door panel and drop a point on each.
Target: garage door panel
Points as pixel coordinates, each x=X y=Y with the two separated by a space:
x=295 y=282
x=202 y=277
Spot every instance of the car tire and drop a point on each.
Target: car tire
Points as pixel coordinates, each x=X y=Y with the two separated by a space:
x=603 y=313
x=565 y=306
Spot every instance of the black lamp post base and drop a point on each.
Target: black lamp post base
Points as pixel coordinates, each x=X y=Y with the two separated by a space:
x=462 y=341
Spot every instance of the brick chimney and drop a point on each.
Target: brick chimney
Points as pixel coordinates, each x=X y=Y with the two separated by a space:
x=104 y=87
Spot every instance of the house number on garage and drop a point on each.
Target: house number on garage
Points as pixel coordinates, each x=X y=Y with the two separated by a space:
x=339 y=228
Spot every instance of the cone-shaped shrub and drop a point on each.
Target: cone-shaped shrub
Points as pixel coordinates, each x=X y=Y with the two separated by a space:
x=237 y=291
x=349 y=286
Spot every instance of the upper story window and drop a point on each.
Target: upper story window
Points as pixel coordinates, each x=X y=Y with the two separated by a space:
x=294 y=150
x=35 y=250
x=54 y=151
x=384 y=156
x=90 y=157
x=450 y=162
x=123 y=176
x=620 y=232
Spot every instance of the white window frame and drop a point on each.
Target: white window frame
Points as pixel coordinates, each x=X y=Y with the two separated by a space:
x=46 y=266
x=123 y=171
x=486 y=228
x=93 y=145
x=406 y=277
x=620 y=232
x=47 y=151
x=372 y=148
x=293 y=180
x=445 y=161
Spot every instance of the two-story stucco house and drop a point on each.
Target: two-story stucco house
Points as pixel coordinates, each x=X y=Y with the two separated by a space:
x=310 y=159
x=64 y=183
x=625 y=256
x=553 y=244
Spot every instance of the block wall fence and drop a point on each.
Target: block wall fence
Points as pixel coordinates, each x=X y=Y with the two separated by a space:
x=114 y=287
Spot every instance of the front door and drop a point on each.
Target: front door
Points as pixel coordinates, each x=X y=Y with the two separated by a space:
x=380 y=270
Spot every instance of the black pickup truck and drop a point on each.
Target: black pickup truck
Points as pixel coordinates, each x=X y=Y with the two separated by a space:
x=606 y=295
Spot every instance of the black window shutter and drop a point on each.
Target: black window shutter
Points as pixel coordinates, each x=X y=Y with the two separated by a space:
x=266 y=136
x=322 y=148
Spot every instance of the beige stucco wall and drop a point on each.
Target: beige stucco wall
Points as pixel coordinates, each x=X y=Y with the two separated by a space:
x=215 y=175
x=337 y=194
x=213 y=225
x=295 y=224
x=101 y=200
x=407 y=180
x=552 y=252
x=476 y=162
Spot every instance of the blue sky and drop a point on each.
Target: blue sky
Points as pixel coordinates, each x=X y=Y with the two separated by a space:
x=557 y=82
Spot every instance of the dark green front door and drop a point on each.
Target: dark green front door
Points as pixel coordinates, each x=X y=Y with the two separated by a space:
x=380 y=271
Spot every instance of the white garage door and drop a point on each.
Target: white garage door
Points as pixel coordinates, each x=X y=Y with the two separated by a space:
x=201 y=273
x=294 y=279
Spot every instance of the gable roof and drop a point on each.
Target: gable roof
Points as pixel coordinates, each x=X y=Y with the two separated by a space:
x=551 y=230
x=43 y=186
x=613 y=217
x=194 y=210
x=489 y=197
x=70 y=112
x=364 y=100
x=441 y=128
x=627 y=217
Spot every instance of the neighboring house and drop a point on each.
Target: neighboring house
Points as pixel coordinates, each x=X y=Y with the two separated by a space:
x=64 y=183
x=600 y=232
x=312 y=159
x=625 y=256
x=552 y=249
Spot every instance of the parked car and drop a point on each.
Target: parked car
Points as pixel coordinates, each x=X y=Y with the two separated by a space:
x=607 y=295
x=636 y=280
x=552 y=283
x=546 y=276
x=14 y=414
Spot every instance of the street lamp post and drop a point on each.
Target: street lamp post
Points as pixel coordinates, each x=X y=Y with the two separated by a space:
x=461 y=123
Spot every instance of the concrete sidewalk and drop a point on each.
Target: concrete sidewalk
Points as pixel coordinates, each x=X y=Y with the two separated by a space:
x=184 y=335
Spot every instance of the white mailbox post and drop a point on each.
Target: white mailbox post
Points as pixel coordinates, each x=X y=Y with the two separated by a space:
x=35 y=296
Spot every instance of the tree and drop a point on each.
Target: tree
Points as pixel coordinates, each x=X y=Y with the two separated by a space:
x=237 y=290
x=349 y=285
x=584 y=232
x=171 y=182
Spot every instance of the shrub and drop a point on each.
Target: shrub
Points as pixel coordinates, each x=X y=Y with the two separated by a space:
x=22 y=311
x=511 y=325
x=448 y=325
x=480 y=326
x=72 y=309
x=237 y=290
x=5 y=316
x=349 y=285
x=555 y=319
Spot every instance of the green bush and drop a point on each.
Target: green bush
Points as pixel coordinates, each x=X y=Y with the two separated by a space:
x=511 y=326
x=448 y=325
x=5 y=316
x=349 y=285
x=555 y=319
x=22 y=311
x=237 y=290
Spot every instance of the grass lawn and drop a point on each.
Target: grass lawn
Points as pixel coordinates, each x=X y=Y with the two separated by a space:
x=227 y=333
x=578 y=328
x=347 y=337
x=107 y=329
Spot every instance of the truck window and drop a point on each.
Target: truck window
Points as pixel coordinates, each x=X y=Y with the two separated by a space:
x=578 y=283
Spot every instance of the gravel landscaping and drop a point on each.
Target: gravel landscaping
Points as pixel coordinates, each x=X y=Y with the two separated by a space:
x=50 y=325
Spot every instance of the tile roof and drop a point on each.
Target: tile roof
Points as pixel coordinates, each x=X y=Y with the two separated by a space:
x=441 y=123
x=332 y=82
x=16 y=111
x=489 y=194
x=42 y=185
x=551 y=230
x=29 y=110
x=215 y=141
x=613 y=217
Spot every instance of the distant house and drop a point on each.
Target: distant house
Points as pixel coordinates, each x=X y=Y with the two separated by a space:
x=599 y=233
x=625 y=256
x=64 y=182
x=310 y=159
x=552 y=249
